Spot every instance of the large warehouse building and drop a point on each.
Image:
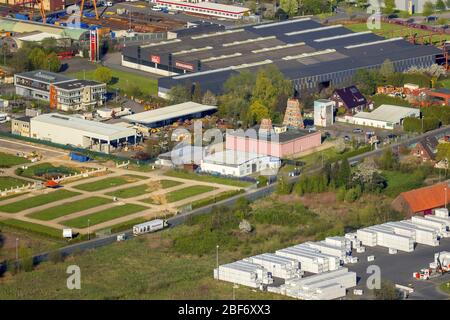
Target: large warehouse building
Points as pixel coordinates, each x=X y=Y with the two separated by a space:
x=310 y=54
x=82 y=133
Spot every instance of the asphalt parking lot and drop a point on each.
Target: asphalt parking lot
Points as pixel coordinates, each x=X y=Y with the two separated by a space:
x=399 y=269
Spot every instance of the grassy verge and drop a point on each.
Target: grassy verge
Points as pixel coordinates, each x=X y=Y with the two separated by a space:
x=188 y=192
x=37 y=201
x=108 y=183
x=11 y=196
x=10 y=182
x=68 y=208
x=213 y=199
x=445 y=287
x=8 y=160
x=207 y=178
x=32 y=227
x=104 y=215
x=169 y=183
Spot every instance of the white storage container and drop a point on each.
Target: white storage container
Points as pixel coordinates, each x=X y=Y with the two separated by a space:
x=280 y=267
x=371 y=258
x=441 y=212
x=392 y=251
x=361 y=249
x=421 y=221
x=244 y=273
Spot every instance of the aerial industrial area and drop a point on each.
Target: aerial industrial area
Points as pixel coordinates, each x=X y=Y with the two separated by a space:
x=224 y=150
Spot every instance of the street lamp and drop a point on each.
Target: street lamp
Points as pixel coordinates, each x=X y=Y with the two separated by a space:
x=17 y=249
x=235 y=286
x=89 y=230
x=217 y=260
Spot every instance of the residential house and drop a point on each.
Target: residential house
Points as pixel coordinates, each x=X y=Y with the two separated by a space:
x=350 y=98
x=426 y=149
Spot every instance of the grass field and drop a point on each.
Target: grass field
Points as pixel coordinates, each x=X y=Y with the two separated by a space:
x=445 y=83
x=38 y=170
x=15 y=195
x=132 y=191
x=207 y=178
x=68 y=208
x=169 y=183
x=157 y=273
x=10 y=182
x=8 y=160
x=108 y=183
x=104 y=215
x=37 y=201
x=398 y=182
x=391 y=30
x=123 y=81
x=32 y=227
x=188 y=192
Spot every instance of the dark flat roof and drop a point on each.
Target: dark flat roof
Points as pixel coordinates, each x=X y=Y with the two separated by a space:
x=76 y=84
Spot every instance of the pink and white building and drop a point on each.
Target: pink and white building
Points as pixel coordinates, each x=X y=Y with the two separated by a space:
x=271 y=143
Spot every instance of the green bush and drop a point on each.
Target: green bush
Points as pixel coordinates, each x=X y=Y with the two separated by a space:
x=284 y=214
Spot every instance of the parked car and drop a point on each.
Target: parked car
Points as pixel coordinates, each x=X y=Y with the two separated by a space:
x=358 y=130
x=346 y=138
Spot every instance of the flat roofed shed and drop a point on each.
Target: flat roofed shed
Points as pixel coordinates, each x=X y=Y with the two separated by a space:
x=173 y=112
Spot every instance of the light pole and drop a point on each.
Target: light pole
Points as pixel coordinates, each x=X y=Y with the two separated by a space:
x=17 y=250
x=217 y=261
x=445 y=195
x=89 y=230
x=235 y=286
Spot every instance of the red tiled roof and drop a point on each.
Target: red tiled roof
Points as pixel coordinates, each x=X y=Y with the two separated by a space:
x=427 y=198
x=51 y=184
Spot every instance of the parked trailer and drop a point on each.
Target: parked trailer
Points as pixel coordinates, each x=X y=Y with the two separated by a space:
x=149 y=226
x=244 y=273
x=421 y=221
x=417 y=233
x=280 y=267
x=309 y=262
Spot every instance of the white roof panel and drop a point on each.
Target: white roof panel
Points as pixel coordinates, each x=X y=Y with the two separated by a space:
x=388 y=113
x=169 y=112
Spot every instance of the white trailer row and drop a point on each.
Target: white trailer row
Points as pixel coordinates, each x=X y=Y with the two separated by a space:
x=324 y=286
x=244 y=273
x=440 y=226
x=384 y=236
x=278 y=266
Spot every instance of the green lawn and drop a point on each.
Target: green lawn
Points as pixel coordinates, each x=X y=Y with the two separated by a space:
x=45 y=168
x=398 y=182
x=391 y=30
x=108 y=183
x=10 y=182
x=124 y=81
x=213 y=199
x=169 y=183
x=32 y=227
x=8 y=160
x=207 y=178
x=445 y=83
x=37 y=201
x=131 y=192
x=68 y=208
x=104 y=215
x=188 y=192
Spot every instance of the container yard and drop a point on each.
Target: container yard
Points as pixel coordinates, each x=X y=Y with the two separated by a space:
x=316 y=271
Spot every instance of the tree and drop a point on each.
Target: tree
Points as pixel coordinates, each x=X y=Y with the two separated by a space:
x=387 y=291
x=197 y=93
x=179 y=94
x=389 y=6
x=366 y=80
x=387 y=161
x=209 y=98
x=428 y=8
x=443 y=151
x=289 y=6
x=49 y=44
x=344 y=173
x=103 y=74
x=53 y=63
x=283 y=186
x=447 y=3
x=270 y=86
x=440 y=5
x=257 y=112
x=387 y=69
x=37 y=58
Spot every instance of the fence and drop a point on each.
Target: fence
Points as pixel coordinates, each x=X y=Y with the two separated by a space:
x=84 y=174
x=20 y=189
x=89 y=153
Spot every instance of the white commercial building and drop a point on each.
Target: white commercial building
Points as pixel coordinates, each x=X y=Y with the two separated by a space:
x=238 y=163
x=167 y=115
x=385 y=116
x=324 y=112
x=206 y=8
x=82 y=133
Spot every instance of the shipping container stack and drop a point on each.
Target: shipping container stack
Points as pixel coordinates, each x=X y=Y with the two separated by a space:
x=244 y=273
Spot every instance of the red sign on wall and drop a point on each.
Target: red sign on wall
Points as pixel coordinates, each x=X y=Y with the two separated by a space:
x=184 y=65
x=155 y=59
